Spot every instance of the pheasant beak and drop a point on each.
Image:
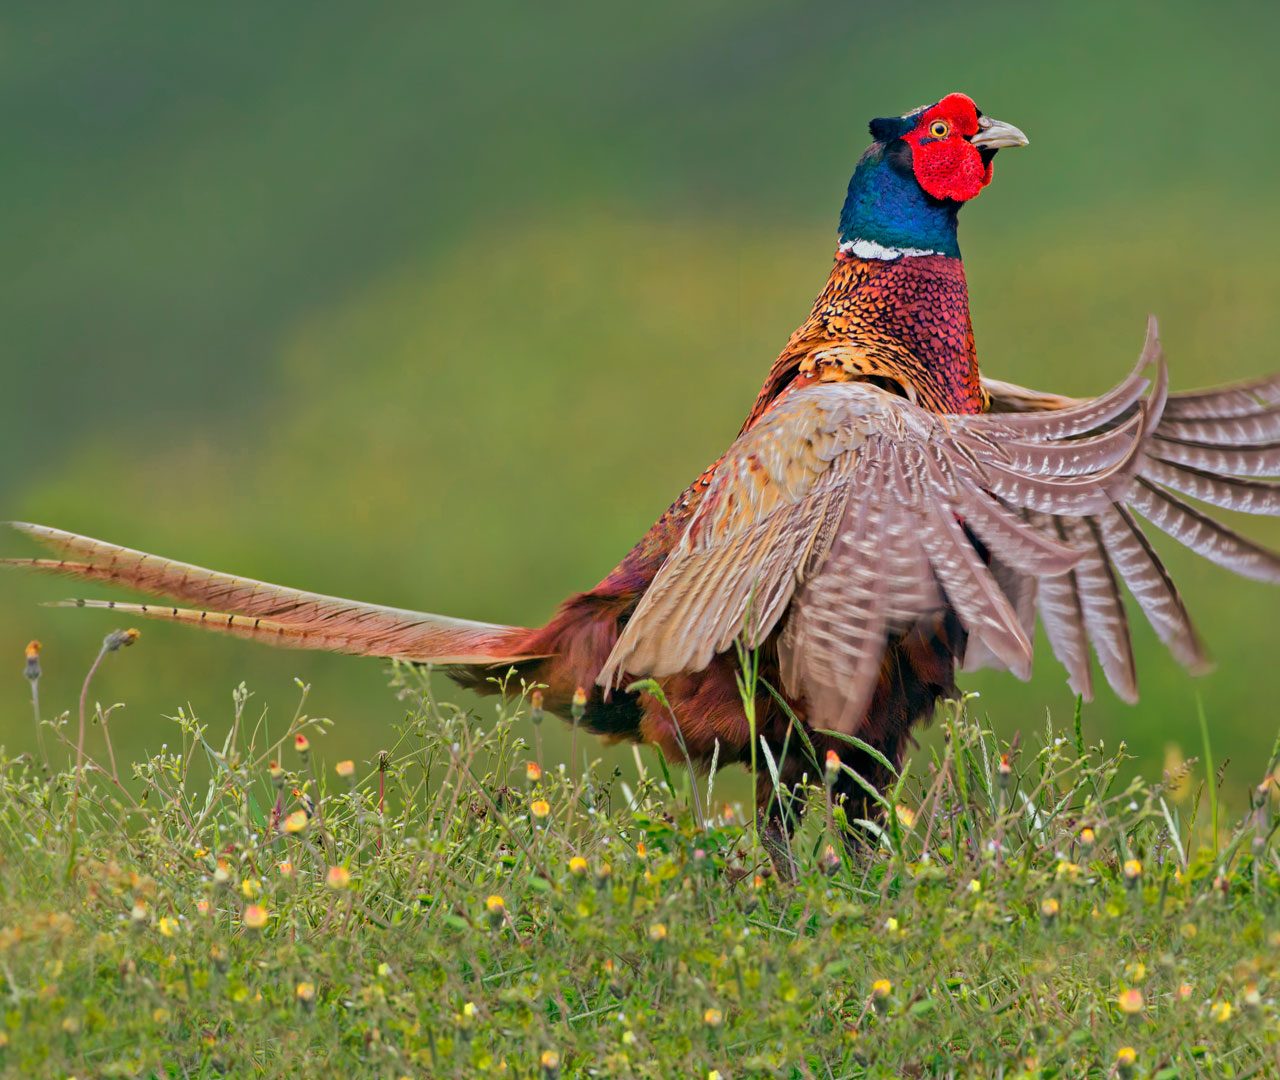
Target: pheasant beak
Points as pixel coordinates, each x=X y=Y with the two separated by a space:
x=994 y=134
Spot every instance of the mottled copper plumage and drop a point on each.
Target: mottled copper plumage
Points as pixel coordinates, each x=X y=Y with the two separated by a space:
x=884 y=516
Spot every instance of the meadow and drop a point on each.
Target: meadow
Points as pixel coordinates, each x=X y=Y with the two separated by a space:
x=455 y=904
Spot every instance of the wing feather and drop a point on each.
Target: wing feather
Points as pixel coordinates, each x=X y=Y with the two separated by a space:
x=1219 y=446
x=874 y=514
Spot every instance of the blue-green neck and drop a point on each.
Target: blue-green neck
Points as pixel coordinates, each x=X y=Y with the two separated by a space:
x=886 y=207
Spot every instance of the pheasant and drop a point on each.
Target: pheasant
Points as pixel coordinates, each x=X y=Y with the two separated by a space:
x=886 y=516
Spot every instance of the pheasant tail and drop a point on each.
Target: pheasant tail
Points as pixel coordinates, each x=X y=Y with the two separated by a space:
x=271 y=613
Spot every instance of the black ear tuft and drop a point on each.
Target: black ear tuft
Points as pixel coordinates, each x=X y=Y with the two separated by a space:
x=887 y=128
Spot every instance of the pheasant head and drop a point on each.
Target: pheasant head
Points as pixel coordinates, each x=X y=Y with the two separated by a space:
x=908 y=187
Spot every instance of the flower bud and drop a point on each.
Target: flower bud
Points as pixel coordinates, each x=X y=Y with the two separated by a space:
x=33 y=660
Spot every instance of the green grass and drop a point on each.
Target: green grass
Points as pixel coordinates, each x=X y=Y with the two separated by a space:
x=1025 y=912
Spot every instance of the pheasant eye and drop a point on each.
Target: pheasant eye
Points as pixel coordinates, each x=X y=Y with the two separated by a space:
x=939 y=129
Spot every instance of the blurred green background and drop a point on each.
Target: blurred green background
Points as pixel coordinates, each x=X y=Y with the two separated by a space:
x=440 y=306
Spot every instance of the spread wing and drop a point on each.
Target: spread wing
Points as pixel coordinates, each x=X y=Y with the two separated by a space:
x=1219 y=447
x=847 y=514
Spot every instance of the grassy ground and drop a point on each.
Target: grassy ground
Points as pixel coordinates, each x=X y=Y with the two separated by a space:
x=237 y=905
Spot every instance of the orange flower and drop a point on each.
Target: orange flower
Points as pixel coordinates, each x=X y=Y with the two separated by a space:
x=1131 y=1001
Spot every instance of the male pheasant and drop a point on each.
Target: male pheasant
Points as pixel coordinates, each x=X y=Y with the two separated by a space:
x=885 y=516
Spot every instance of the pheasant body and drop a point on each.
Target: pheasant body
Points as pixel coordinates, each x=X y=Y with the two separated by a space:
x=900 y=323
x=885 y=516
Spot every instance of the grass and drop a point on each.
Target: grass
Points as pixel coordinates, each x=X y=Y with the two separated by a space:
x=454 y=906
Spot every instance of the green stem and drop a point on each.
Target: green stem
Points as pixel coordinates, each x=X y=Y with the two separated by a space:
x=1213 y=780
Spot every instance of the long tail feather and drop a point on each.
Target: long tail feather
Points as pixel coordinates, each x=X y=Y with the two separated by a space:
x=272 y=613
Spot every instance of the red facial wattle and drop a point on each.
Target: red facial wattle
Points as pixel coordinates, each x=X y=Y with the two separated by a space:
x=949 y=166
